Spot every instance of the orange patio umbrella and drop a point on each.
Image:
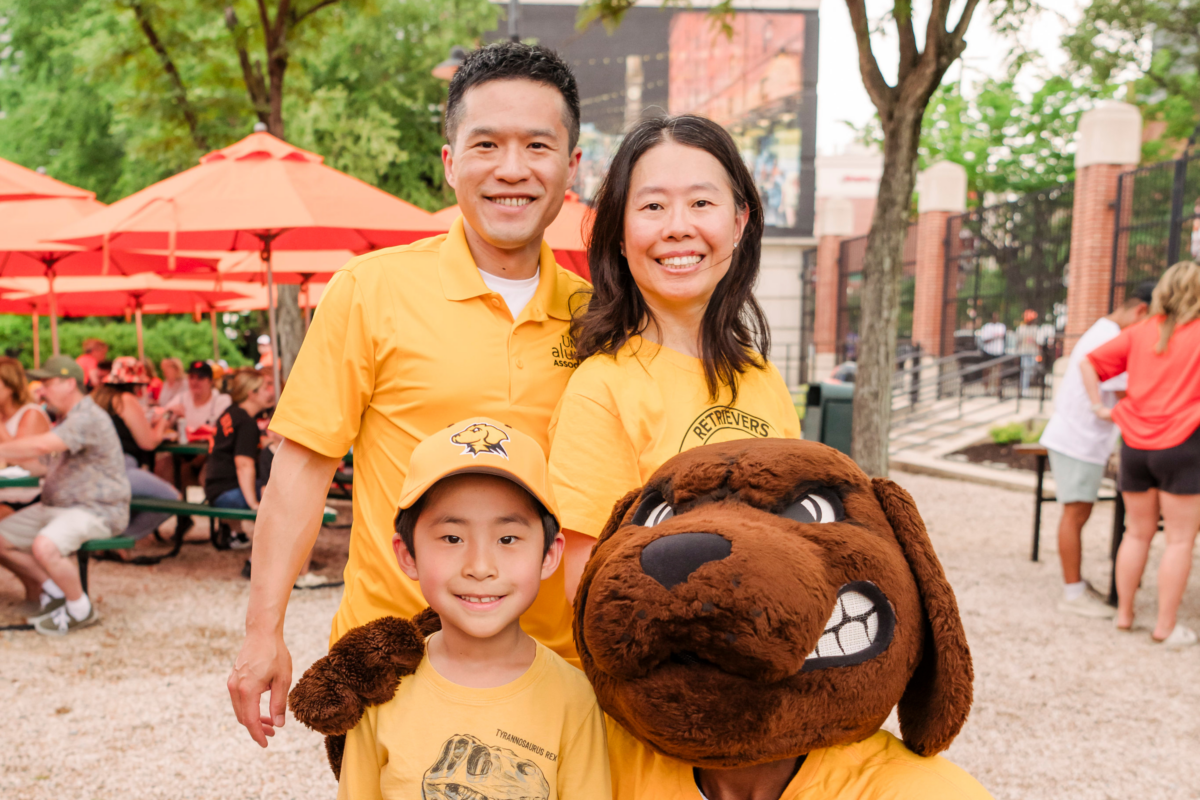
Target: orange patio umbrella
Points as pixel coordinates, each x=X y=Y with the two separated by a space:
x=130 y=296
x=20 y=183
x=567 y=236
x=259 y=194
x=24 y=226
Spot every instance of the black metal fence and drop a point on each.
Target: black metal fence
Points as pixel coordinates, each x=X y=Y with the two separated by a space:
x=1002 y=261
x=850 y=283
x=1158 y=221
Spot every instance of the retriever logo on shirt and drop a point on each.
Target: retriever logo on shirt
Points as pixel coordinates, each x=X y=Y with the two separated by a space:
x=724 y=424
x=468 y=769
x=481 y=438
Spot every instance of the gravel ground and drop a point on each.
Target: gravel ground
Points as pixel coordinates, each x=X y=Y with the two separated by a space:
x=136 y=707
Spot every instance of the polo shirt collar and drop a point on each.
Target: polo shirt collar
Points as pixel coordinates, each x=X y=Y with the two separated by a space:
x=461 y=279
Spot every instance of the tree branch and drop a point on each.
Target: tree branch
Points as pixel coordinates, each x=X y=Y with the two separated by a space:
x=185 y=105
x=315 y=7
x=960 y=30
x=908 y=38
x=877 y=88
x=252 y=77
x=935 y=30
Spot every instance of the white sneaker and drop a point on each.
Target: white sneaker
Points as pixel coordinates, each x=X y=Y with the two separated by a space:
x=1182 y=636
x=311 y=580
x=1088 y=604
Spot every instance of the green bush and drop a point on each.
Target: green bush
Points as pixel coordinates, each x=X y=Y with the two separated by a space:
x=1017 y=432
x=163 y=336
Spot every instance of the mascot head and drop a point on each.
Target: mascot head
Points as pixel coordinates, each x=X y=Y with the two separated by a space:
x=760 y=599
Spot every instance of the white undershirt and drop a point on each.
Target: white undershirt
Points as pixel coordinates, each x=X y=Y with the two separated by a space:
x=516 y=293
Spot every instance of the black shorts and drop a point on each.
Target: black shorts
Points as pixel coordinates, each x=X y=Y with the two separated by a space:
x=1175 y=470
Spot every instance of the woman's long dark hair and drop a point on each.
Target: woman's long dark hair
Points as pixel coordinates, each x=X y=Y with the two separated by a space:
x=734 y=327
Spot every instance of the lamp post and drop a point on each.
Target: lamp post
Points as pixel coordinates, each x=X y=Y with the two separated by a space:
x=514 y=11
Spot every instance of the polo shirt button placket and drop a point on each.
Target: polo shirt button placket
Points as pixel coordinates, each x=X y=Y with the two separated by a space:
x=520 y=364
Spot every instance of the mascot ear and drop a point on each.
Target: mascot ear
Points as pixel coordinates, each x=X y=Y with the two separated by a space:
x=938 y=697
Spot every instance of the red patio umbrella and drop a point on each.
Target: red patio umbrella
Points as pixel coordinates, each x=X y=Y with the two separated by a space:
x=20 y=183
x=259 y=194
x=24 y=225
x=112 y=296
x=567 y=236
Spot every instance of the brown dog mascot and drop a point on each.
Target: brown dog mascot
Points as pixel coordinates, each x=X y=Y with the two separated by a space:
x=748 y=619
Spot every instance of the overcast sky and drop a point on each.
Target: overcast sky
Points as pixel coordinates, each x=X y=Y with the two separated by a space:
x=840 y=92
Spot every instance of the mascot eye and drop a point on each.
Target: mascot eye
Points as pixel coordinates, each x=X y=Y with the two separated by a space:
x=819 y=505
x=652 y=511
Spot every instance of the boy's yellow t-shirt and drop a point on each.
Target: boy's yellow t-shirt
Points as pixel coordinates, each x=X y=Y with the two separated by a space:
x=878 y=768
x=540 y=737
x=622 y=417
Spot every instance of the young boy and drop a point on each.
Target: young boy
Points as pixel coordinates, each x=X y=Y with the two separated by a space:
x=489 y=712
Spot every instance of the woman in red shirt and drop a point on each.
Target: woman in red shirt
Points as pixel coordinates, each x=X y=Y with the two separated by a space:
x=1159 y=420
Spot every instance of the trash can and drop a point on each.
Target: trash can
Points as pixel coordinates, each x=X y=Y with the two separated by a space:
x=829 y=414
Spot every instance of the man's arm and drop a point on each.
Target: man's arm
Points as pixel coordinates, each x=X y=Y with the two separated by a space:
x=289 y=519
x=32 y=447
x=575 y=558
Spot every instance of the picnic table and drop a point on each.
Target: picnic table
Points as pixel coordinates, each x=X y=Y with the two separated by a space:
x=1118 y=529
x=23 y=482
x=180 y=451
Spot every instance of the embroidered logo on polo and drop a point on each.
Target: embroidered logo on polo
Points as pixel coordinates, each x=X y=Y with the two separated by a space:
x=481 y=438
x=724 y=424
x=564 y=353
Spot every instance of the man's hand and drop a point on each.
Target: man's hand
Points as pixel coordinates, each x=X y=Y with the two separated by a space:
x=263 y=665
x=289 y=520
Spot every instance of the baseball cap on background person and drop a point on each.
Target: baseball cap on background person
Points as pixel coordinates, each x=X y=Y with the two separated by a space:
x=59 y=367
x=1144 y=291
x=479 y=445
x=200 y=369
x=127 y=369
x=264 y=339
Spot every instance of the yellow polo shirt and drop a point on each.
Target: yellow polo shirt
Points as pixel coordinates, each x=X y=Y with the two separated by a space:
x=879 y=767
x=406 y=341
x=622 y=417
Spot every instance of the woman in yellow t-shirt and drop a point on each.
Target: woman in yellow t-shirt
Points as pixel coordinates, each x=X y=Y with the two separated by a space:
x=673 y=346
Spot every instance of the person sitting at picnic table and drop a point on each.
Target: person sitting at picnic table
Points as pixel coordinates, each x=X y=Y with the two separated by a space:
x=149 y=397
x=173 y=383
x=233 y=458
x=1079 y=444
x=1159 y=420
x=94 y=351
x=119 y=396
x=199 y=407
x=20 y=418
x=85 y=496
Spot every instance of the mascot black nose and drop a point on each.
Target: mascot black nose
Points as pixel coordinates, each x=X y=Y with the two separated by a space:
x=671 y=559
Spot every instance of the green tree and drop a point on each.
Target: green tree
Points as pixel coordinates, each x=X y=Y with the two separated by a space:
x=1009 y=143
x=1154 y=45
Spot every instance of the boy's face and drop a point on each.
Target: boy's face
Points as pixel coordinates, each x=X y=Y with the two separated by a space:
x=479 y=543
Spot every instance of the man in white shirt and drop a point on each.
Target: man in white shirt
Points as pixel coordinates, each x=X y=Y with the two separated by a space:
x=201 y=404
x=1079 y=444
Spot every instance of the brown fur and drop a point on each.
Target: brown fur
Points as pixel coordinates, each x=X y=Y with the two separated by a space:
x=752 y=617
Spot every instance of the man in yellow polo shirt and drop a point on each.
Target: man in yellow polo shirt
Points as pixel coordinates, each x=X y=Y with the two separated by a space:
x=409 y=339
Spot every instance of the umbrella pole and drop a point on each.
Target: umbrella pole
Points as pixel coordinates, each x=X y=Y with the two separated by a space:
x=212 y=315
x=307 y=309
x=53 y=314
x=137 y=321
x=37 y=356
x=266 y=256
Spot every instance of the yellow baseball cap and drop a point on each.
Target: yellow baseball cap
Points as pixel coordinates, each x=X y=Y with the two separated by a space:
x=479 y=445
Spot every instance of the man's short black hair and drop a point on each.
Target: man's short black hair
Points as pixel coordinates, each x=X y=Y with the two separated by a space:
x=1142 y=293
x=512 y=61
x=406 y=521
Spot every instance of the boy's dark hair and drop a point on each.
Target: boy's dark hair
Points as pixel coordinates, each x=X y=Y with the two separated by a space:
x=1142 y=293
x=511 y=61
x=406 y=520
x=734 y=329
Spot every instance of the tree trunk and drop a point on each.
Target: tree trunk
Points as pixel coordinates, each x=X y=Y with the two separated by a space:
x=882 y=269
x=289 y=324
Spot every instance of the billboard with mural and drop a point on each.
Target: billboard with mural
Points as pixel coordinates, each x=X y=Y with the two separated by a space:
x=759 y=82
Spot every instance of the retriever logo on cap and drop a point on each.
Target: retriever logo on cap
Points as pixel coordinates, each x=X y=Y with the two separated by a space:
x=481 y=438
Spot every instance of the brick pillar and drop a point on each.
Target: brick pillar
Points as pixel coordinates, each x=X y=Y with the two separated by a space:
x=837 y=223
x=942 y=193
x=1110 y=142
